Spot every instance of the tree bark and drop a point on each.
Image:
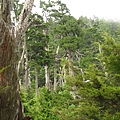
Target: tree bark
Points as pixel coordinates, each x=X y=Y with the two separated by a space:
x=22 y=57
x=10 y=104
x=23 y=22
x=10 y=101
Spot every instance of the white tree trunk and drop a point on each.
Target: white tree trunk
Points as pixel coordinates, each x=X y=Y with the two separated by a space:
x=55 y=77
x=23 y=23
x=47 y=76
x=27 y=78
x=55 y=68
x=22 y=57
x=69 y=58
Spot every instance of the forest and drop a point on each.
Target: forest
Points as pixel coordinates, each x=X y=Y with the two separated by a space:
x=57 y=67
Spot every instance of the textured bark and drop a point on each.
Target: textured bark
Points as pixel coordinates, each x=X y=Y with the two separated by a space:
x=10 y=104
x=5 y=8
x=21 y=58
x=10 y=101
x=23 y=22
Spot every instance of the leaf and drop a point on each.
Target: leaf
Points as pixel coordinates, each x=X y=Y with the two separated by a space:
x=4 y=88
x=4 y=68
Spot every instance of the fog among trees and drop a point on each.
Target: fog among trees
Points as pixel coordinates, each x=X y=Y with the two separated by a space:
x=56 y=67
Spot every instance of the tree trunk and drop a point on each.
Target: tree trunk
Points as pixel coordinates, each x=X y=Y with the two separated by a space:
x=55 y=68
x=47 y=76
x=10 y=105
x=26 y=78
x=69 y=58
x=21 y=58
x=10 y=102
x=55 y=77
x=36 y=81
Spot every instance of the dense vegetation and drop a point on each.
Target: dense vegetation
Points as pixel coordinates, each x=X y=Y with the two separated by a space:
x=70 y=69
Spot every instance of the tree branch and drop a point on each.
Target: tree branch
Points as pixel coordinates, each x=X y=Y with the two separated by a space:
x=24 y=17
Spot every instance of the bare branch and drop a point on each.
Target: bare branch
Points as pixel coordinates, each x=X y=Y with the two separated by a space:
x=24 y=17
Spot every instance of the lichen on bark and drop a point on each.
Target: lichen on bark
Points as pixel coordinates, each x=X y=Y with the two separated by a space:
x=9 y=97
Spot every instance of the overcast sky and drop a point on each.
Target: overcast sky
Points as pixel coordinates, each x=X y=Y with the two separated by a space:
x=107 y=9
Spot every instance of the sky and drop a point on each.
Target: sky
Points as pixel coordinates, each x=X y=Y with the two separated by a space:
x=103 y=9
x=107 y=9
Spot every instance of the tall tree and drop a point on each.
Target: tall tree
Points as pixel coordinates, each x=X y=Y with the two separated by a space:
x=99 y=92
x=37 y=43
x=10 y=103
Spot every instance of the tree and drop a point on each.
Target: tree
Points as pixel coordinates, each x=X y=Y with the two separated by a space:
x=63 y=32
x=37 y=43
x=10 y=101
x=99 y=92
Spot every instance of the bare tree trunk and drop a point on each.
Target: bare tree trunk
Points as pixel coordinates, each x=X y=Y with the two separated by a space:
x=5 y=8
x=23 y=23
x=55 y=77
x=55 y=69
x=10 y=105
x=10 y=102
x=47 y=76
x=26 y=78
x=22 y=57
x=69 y=57
x=36 y=81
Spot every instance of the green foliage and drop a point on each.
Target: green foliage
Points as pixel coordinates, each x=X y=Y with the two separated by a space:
x=48 y=104
x=17 y=7
x=4 y=68
x=94 y=59
x=100 y=95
